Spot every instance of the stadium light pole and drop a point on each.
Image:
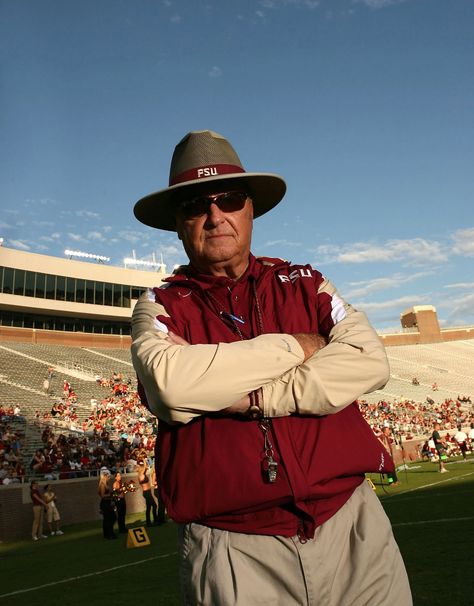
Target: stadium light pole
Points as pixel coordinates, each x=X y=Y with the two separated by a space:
x=139 y=262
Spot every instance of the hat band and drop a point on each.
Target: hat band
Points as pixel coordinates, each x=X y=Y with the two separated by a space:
x=202 y=172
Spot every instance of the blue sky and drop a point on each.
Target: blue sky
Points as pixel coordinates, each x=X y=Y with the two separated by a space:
x=365 y=107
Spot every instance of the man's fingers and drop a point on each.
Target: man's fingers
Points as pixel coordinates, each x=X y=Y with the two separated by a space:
x=176 y=339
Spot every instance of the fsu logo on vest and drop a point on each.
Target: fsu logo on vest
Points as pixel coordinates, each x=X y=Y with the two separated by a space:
x=295 y=274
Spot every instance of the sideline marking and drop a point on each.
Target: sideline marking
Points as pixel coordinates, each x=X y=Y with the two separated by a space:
x=85 y=576
x=432 y=484
x=433 y=521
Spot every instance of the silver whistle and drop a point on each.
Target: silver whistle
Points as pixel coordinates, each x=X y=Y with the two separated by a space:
x=272 y=469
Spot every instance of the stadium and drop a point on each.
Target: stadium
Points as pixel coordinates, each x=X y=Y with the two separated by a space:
x=68 y=389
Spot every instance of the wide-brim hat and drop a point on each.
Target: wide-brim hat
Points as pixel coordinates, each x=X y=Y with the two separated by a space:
x=205 y=162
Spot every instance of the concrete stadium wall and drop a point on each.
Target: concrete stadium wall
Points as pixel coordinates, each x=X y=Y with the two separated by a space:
x=77 y=501
x=416 y=338
x=72 y=339
x=81 y=339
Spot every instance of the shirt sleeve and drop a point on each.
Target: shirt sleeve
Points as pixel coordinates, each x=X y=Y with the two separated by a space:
x=353 y=363
x=183 y=382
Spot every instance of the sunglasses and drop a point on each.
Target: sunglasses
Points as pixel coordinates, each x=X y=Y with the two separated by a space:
x=228 y=202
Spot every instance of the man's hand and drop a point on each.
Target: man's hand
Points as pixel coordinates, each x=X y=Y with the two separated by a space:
x=238 y=408
x=176 y=339
x=310 y=342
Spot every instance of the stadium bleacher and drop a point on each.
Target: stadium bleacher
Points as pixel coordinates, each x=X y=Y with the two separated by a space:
x=24 y=367
x=449 y=365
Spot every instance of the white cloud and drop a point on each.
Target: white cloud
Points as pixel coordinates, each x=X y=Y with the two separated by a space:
x=88 y=214
x=376 y=4
x=367 y=287
x=215 y=72
x=464 y=242
x=461 y=309
x=131 y=236
x=281 y=243
x=75 y=237
x=175 y=18
x=95 y=235
x=4 y=225
x=415 y=251
x=397 y=304
x=40 y=201
x=274 y=4
x=54 y=237
x=19 y=244
x=460 y=285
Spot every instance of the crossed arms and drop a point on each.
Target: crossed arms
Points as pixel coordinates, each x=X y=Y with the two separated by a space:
x=297 y=374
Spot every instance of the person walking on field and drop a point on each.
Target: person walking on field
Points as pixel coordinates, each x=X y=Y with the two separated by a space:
x=253 y=366
x=387 y=440
x=440 y=446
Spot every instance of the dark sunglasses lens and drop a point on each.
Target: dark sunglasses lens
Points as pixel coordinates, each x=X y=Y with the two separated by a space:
x=228 y=202
x=231 y=201
x=195 y=207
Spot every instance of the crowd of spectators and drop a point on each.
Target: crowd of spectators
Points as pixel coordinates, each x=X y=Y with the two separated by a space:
x=116 y=431
x=12 y=434
x=410 y=419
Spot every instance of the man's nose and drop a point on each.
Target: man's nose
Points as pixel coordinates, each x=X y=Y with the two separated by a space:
x=214 y=215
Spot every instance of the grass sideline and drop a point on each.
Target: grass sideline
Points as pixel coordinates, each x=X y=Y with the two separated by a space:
x=431 y=514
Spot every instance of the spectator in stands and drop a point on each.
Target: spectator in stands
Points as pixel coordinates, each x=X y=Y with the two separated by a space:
x=146 y=481
x=52 y=514
x=106 y=505
x=425 y=452
x=461 y=439
x=39 y=504
x=471 y=437
x=38 y=461
x=4 y=472
x=440 y=446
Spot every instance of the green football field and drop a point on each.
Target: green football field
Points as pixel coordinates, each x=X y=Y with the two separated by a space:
x=432 y=517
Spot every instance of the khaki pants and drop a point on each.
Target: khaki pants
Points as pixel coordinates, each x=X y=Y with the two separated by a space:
x=37 y=529
x=353 y=560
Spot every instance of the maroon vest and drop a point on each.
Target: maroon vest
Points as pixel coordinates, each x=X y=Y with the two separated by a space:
x=211 y=469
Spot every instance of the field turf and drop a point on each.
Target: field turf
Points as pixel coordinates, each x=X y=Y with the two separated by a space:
x=432 y=517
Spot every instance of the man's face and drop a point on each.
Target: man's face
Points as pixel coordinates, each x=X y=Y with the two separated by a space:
x=219 y=239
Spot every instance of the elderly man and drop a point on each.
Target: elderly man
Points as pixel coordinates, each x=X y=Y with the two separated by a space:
x=252 y=366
